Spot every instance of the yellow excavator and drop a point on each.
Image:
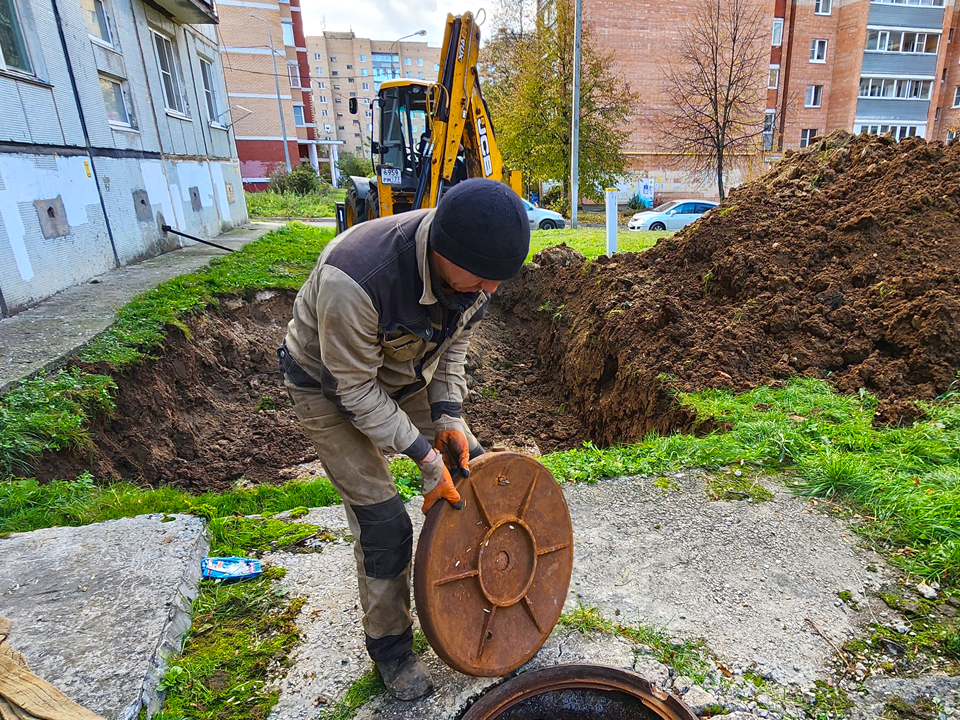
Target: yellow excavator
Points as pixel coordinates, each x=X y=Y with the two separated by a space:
x=456 y=143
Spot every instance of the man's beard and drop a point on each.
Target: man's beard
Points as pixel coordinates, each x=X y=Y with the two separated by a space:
x=457 y=301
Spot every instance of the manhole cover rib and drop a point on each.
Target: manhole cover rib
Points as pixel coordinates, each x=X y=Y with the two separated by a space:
x=591 y=691
x=491 y=579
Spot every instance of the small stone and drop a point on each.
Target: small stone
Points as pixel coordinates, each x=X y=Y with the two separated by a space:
x=698 y=699
x=928 y=592
x=681 y=684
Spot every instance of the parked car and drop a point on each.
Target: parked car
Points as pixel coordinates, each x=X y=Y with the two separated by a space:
x=674 y=215
x=542 y=219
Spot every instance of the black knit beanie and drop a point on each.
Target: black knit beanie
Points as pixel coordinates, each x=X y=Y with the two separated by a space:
x=481 y=226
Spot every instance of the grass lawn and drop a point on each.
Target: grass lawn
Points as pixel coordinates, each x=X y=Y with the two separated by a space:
x=290 y=205
x=592 y=242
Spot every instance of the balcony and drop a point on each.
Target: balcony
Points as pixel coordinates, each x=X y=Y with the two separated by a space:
x=906 y=16
x=193 y=12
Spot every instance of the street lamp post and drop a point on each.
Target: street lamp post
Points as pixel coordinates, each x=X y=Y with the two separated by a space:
x=276 y=80
x=400 y=69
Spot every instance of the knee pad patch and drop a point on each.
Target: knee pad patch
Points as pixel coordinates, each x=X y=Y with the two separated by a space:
x=386 y=537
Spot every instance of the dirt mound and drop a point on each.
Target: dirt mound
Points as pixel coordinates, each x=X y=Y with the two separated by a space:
x=843 y=263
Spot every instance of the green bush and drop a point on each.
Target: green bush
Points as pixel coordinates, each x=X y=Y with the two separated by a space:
x=636 y=203
x=351 y=164
x=302 y=180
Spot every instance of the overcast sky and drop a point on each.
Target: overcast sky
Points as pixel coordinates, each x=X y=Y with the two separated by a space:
x=382 y=19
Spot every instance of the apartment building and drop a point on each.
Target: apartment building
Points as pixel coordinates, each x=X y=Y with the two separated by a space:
x=345 y=66
x=860 y=65
x=268 y=85
x=113 y=123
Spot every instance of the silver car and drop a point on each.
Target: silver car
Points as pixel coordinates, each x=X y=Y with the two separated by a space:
x=674 y=215
x=541 y=219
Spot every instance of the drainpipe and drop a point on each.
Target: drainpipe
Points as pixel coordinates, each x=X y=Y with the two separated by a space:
x=83 y=125
x=788 y=56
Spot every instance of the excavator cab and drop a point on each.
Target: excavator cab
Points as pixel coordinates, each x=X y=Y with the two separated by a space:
x=429 y=136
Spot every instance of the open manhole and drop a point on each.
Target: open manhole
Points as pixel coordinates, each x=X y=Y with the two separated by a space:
x=578 y=692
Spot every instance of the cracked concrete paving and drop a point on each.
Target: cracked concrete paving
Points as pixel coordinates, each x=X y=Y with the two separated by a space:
x=97 y=610
x=745 y=577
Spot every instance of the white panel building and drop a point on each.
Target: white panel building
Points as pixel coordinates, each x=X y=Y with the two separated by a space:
x=113 y=122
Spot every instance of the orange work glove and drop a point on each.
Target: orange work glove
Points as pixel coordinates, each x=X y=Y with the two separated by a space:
x=452 y=444
x=436 y=483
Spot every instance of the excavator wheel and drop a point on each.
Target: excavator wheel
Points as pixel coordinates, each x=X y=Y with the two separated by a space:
x=372 y=203
x=354 y=208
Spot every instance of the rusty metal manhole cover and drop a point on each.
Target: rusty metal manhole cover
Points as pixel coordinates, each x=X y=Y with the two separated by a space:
x=491 y=579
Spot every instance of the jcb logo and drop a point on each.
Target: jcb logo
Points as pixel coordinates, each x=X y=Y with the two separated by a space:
x=461 y=49
x=484 y=147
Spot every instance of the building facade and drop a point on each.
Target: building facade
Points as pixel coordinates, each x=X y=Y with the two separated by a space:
x=269 y=86
x=112 y=124
x=345 y=66
x=859 y=65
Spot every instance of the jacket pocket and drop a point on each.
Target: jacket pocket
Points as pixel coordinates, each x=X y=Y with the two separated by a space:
x=403 y=348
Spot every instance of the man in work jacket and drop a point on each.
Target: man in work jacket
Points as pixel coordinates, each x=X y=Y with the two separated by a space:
x=374 y=362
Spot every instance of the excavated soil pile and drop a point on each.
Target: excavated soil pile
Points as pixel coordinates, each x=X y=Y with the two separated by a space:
x=843 y=263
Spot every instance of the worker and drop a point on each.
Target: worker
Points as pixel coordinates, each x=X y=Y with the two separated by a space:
x=373 y=360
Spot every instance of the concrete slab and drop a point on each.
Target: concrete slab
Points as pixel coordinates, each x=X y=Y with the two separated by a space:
x=45 y=336
x=96 y=610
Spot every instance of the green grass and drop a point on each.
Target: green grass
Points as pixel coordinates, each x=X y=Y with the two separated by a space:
x=290 y=205
x=592 y=242
x=51 y=413
x=690 y=658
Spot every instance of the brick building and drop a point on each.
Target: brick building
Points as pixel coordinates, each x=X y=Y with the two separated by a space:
x=860 y=65
x=112 y=125
x=247 y=31
x=345 y=66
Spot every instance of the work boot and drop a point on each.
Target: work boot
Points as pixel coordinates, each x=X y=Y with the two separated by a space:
x=407 y=678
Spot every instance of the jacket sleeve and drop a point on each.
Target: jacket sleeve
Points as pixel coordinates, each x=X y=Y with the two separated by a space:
x=448 y=387
x=351 y=355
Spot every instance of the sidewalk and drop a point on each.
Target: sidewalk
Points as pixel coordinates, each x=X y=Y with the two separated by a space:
x=45 y=336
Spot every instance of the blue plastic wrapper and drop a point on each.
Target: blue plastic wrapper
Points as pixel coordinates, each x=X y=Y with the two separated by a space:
x=229 y=568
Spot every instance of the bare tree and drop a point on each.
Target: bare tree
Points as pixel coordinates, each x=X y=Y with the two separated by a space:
x=717 y=85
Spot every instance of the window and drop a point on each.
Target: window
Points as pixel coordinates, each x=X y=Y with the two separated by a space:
x=807 y=136
x=777 y=32
x=353 y=94
x=937 y=114
x=769 y=122
x=321 y=98
x=774 y=82
x=956 y=97
x=316 y=56
x=943 y=77
x=822 y=7
x=950 y=36
x=903 y=89
x=369 y=113
x=406 y=61
x=351 y=80
x=814 y=95
x=322 y=85
x=333 y=59
x=287 y=33
x=327 y=127
x=927 y=3
x=902 y=41
x=365 y=86
x=298 y=116
x=363 y=58
x=293 y=72
x=115 y=102
x=169 y=73
x=349 y=67
x=340 y=127
x=324 y=113
x=818 y=50
x=436 y=67
x=13 y=46
x=420 y=62
x=899 y=132
x=364 y=72
x=409 y=75
x=951 y=136
x=420 y=76
x=98 y=22
x=369 y=127
x=335 y=73
x=210 y=89
x=318 y=71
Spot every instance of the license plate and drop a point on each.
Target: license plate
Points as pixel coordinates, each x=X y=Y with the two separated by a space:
x=390 y=176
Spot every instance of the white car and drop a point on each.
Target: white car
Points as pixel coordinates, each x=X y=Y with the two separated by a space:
x=541 y=219
x=674 y=215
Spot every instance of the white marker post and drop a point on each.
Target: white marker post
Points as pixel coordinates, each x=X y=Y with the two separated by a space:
x=611 y=197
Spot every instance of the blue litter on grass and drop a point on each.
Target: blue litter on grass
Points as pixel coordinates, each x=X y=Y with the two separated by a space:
x=229 y=568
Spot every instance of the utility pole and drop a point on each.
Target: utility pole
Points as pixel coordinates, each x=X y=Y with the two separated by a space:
x=276 y=80
x=575 y=134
